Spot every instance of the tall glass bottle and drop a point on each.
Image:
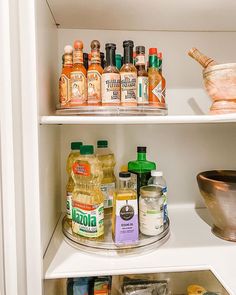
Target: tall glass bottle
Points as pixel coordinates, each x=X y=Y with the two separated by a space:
x=142 y=83
x=155 y=80
x=78 y=83
x=140 y=169
x=64 y=82
x=128 y=74
x=159 y=59
x=95 y=75
x=110 y=78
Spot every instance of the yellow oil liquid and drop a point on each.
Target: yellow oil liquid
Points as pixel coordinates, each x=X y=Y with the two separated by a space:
x=73 y=156
x=87 y=195
x=108 y=184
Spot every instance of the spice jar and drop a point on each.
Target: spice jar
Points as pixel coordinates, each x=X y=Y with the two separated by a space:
x=151 y=205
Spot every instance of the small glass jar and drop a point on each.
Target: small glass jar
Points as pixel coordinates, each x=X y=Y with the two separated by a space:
x=151 y=206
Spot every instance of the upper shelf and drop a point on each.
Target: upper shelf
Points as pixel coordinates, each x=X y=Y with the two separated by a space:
x=185 y=119
x=191 y=247
x=182 y=15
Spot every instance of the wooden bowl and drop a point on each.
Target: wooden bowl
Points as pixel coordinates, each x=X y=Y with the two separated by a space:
x=220 y=84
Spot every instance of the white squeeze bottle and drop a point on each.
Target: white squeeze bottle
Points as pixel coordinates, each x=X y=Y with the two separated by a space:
x=107 y=159
x=157 y=179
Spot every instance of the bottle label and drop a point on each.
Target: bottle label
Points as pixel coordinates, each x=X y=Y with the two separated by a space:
x=64 y=90
x=126 y=226
x=78 y=88
x=111 y=88
x=140 y=60
x=128 y=87
x=94 y=86
x=82 y=169
x=77 y=56
x=69 y=205
x=151 y=217
x=157 y=91
x=142 y=90
x=108 y=192
x=165 y=210
x=87 y=220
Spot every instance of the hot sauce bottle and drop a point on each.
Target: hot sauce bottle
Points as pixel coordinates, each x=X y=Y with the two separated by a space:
x=64 y=82
x=110 y=78
x=95 y=75
x=142 y=83
x=155 y=80
x=128 y=75
x=78 y=85
x=159 y=58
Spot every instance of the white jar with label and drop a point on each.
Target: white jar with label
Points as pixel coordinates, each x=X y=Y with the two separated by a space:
x=151 y=206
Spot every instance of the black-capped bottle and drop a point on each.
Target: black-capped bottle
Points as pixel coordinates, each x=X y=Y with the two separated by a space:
x=128 y=75
x=103 y=61
x=110 y=78
x=142 y=80
x=85 y=57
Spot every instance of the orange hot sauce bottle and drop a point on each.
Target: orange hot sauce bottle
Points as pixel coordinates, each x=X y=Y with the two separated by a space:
x=64 y=82
x=78 y=80
x=94 y=75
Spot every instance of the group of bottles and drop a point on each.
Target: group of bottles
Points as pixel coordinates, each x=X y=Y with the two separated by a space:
x=91 y=192
x=115 y=81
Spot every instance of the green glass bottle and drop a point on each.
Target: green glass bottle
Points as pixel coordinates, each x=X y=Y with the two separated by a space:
x=140 y=169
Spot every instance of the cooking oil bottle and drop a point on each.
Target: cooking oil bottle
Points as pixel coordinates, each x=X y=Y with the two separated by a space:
x=107 y=159
x=125 y=229
x=74 y=154
x=87 y=197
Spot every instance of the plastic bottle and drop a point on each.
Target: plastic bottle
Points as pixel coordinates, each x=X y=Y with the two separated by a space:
x=107 y=158
x=125 y=230
x=74 y=154
x=87 y=197
x=140 y=169
x=158 y=180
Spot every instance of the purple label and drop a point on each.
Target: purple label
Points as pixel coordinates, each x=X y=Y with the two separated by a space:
x=127 y=230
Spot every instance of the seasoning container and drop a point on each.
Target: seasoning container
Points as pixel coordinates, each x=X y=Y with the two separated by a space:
x=151 y=222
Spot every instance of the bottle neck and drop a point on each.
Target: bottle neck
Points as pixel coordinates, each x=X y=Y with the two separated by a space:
x=124 y=183
x=128 y=54
x=77 y=57
x=110 y=57
x=153 y=61
x=95 y=57
x=141 y=157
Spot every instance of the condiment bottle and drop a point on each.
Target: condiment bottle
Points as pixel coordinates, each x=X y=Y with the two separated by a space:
x=155 y=80
x=159 y=65
x=78 y=85
x=125 y=230
x=142 y=82
x=118 y=61
x=64 y=82
x=110 y=78
x=94 y=75
x=103 y=62
x=128 y=75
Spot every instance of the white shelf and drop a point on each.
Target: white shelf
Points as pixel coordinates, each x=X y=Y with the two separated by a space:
x=191 y=246
x=185 y=119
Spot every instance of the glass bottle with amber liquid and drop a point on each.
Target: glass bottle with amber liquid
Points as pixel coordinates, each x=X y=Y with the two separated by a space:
x=110 y=78
x=155 y=81
x=78 y=83
x=94 y=75
x=142 y=81
x=128 y=74
x=64 y=82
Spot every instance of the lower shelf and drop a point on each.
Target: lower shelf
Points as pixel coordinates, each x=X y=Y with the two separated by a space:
x=191 y=246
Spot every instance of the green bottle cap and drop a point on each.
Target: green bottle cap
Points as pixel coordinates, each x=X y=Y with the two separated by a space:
x=102 y=143
x=86 y=150
x=118 y=61
x=76 y=145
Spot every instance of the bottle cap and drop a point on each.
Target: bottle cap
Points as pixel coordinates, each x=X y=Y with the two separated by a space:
x=129 y=43
x=95 y=45
x=86 y=150
x=76 y=145
x=78 y=44
x=102 y=55
x=118 y=56
x=152 y=51
x=102 y=143
x=110 y=45
x=68 y=49
x=156 y=173
x=141 y=149
x=124 y=175
x=140 y=49
x=85 y=55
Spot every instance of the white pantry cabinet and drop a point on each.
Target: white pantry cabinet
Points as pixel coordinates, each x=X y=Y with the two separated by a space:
x=35 y=142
